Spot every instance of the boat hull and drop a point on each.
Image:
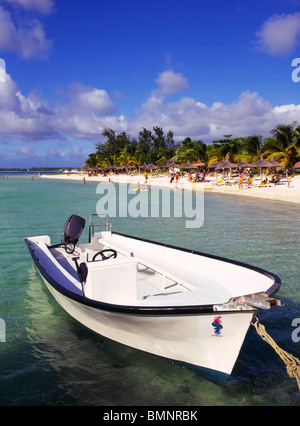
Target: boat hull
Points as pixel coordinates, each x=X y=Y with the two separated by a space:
x=190 y=340
x=195 y=328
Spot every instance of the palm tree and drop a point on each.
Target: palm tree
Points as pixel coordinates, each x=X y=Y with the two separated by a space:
x=190 y=151
x=293 y=155
x=92 y=160
x=284 y=144
x=252 y=147
x=285 y=134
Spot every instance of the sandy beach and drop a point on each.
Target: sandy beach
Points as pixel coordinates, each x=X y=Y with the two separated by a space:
x=280 y=192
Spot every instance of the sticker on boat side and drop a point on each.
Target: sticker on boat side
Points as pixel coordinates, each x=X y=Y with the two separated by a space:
x=217 y=325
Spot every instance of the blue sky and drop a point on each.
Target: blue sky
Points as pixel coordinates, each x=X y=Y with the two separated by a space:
x=200 y=68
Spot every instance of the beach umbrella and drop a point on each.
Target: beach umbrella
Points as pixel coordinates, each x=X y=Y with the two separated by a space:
x=106 y=168
x=225 y=165
x=242 y=164
x=261 y=163
x=297 y=165
x=144 y=166
x=214 y=165
x=125 y=166
x=152 y=167
x=96 y=169
x=188 y=165
x=171 y=164
x=85 y=169
x=275 y=163
x=199 y=164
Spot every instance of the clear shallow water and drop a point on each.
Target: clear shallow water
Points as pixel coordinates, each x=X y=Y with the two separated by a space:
x=50 y=359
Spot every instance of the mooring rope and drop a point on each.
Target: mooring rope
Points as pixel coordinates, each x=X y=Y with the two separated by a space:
x=292 y=363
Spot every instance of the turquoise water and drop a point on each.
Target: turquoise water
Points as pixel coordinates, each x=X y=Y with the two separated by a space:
x=50 y=359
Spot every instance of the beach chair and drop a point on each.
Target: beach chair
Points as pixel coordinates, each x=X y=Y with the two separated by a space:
x=264 y=184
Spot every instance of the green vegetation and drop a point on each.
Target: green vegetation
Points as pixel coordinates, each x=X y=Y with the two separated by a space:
x=157 y=147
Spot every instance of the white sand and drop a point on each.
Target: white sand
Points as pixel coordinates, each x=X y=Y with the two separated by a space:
x=280 y=192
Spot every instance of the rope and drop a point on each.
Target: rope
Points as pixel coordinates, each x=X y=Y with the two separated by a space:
x=292 y=363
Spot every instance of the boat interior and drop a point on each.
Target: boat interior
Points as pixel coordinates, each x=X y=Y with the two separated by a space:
x=113 y=268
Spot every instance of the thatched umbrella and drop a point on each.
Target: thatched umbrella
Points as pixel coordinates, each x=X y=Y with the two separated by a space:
x=214 y=165
x=243 y=164
x=96 y=169
x=125 y=166
x=199 y=164
x=297 y=165
x=188 y=165
x=225 y=165
x=85 y=169
x=171 y=164
x=261 y=163
x=275 y=163
x=152 y=167
x=107 y=168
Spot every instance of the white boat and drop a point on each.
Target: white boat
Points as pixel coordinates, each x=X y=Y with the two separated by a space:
x=189 y=307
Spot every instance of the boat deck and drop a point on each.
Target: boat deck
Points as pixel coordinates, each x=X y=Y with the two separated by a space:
x=152 y=286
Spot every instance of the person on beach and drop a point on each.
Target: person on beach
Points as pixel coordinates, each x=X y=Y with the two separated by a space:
x=84 y=180
x=172 y=178
x=177 y=177
x=240 y=181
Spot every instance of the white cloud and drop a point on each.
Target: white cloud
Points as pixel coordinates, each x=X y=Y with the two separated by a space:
x=26 y=151
x=250 y=114
x=23 y=118
x=287 y=108
x=92 y=99
x=86 y=113
x=171 y=83
x=279 y=34
x=88 y=110
x=29 y=39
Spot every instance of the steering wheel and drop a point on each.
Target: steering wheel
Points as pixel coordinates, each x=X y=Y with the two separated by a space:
x=112 y=254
